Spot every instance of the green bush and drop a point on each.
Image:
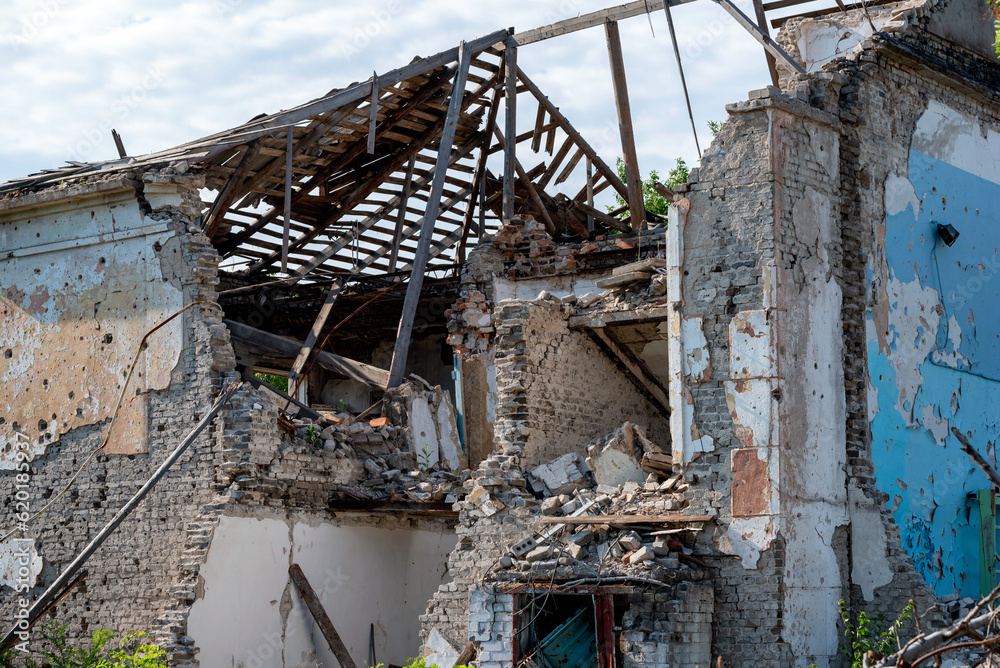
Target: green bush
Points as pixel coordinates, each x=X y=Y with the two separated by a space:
x=131 y=651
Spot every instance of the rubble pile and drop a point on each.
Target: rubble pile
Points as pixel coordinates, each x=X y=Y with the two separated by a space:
x=624 y=477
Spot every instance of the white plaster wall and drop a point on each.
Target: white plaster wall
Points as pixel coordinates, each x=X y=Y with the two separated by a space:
x=812 y=428
x=558 y=286
x=250 y=614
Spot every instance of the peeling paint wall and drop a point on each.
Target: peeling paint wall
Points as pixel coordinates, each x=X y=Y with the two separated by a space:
x=933 y=347
x=249 y=613
x=80 y=284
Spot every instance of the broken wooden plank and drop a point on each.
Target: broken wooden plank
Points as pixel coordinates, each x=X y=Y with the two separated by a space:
x=230 y=191
x=468 y=654
x=663 y=191
x=478 y=176
x=404 y=197
x=359 y=371
x=649 y=264
x=633 y=371
x=288 y=200
x=636 y=205
x=118 y=143
x=592 y=19
x=419 y=264
x=304 y=410
x=373 y=114
x=510 y=126
x=758 y=8
x=550 y=227
x=672 y=518
x=967 y=448
x=657 y=461
x=616 y=281
x=764 y=40
x=322 y=619
x=602 y=167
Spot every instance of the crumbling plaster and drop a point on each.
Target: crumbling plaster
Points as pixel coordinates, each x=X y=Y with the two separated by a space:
x=932 y=354
x=81 y=282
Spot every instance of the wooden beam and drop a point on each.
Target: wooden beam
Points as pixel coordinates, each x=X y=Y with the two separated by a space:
x=359 y=371
x=402 y=347
x=229 y=191
x=358 y=194
x=590 y=194
x=401 y=214
x=304 y=410
x=480 y=174
x=758 y=8
x=118 y=143
x=302 y=145
x=588 y=150
x=556 y=161
x=635 y=373
x=315 y=606
x=671 y=518
x=593 y=19
x=288 y=199
x=967 y=448
x=373 y=114
x=510 y=126
x=636 y=205
x=343 y=160
x=334 y=100
x=322 y=256
x=532 y=193
x=764 y=40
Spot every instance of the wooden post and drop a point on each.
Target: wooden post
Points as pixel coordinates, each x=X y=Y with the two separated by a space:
x=315 y=606
x=373 y=114
x=590 y=194
x=289 y=147
x=758 y=8
x=510 y=126
x=637 y=207
x=402 y=347
x=401 y=214
x=522 y=176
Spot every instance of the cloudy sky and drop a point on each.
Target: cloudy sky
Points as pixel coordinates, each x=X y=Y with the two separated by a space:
x=163 y=73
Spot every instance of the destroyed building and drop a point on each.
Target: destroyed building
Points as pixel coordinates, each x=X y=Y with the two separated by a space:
x=517 y=424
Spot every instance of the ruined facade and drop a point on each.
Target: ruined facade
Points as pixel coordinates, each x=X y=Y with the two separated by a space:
x=615 y=441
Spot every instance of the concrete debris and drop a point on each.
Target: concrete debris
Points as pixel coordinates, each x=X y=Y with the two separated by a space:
x=561 y=476
x=619 y=457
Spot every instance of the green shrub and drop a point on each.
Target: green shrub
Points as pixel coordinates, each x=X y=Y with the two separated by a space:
x=131 y=651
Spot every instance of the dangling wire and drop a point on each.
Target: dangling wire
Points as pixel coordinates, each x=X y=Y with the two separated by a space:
x=355 y=252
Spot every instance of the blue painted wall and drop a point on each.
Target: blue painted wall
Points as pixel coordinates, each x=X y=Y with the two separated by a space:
x=959 y=289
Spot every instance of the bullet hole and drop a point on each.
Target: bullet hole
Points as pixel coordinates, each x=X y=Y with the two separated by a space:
x=8 y=353
x=108 y=338
x=16 y=427
x=157 y=247
x=3 y=420
x=102 y=261
x=72 y=394
x=37 y=271
x=42 y=425
x=45 y=382
x=79 y=412
x=161 y=428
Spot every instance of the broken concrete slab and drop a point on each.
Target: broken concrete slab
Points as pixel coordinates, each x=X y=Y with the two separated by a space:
x=560 y=476
x=623 y=280
x=618 y=457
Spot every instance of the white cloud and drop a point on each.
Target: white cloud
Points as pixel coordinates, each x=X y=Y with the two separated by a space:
x=74 y=68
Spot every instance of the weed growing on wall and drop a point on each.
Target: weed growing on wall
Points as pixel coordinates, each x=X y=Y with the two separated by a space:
x=131 y=651
x=868 y=638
